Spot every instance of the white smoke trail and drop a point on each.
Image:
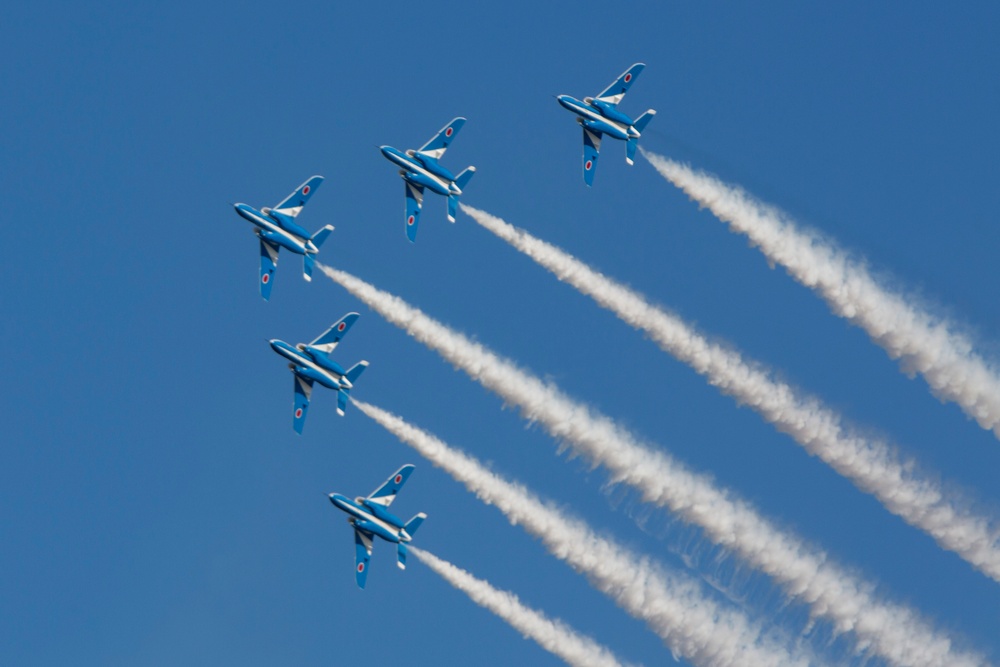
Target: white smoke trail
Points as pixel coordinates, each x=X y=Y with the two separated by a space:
x=551 y=634
x=924 y=343
x=892 y=631
x=691 y=625
x=872 y=465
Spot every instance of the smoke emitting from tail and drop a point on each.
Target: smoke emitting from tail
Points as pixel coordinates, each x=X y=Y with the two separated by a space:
x=551 y=634
x=691 y=625
x=892 y=631
x=923 y=343
x=871 y=464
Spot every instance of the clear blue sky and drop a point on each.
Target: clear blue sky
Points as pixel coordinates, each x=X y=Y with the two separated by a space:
x=156 y=506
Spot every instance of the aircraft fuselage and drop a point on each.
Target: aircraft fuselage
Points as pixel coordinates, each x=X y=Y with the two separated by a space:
x=428 y=174
x=282 y=232
x=600 y=117
x=313 y=365
x=372 y=518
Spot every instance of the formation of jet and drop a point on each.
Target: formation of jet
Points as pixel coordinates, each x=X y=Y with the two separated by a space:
x=370 y=517
x=421 y=169
x=600 y=115
x=276 y=229
x=312 y=363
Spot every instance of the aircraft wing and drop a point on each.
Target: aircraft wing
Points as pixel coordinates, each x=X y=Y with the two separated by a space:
x=436 y=147
x=303 y=391
x=332 y=336
x=385 y=494
x=414 y=199
x=293 y=203
x=614 y=93
x=268 y=263
x=362 y=555
x=591 y=149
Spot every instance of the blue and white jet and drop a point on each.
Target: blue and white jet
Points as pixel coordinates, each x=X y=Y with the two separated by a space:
x=420 y=169
x=312 y=363
x=600 y=115
x=370 y=517
x=276 y=229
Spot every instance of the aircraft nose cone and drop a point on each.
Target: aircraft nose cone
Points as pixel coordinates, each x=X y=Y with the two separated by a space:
x=386 y=151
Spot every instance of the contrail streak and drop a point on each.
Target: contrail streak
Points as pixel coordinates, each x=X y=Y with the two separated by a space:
x=551 y=634
x=893 y=631
x=691 y=625
x=872 y=465
x=924 y=343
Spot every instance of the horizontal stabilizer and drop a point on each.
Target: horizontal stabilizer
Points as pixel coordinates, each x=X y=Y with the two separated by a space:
x=463 y=179
x=342 y=396
x=413 y=524
x=308 y=264
x=355 y=371
x=643 y=120
x=401 y=555
x=452 y=207
x=630 y=147
x=319 y=237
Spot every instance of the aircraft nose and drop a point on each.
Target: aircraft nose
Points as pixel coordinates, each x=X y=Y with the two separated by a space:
x=386 y=150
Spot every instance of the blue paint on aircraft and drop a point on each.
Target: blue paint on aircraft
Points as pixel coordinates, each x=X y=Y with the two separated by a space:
x=421 y=169
x=370 y=517
x=600 y=116
x=311 y=363
x=276 y=229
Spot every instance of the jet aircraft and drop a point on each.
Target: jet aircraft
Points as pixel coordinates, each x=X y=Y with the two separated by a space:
x=420 y=169
x=600 y=115
x=276 y=229
x=312 y=363
x=370 y=516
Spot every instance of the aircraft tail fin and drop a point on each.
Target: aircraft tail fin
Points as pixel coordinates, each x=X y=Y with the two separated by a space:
x=355 y=371
x=630 y=146
x=321 y=235
x=413 y=524
x=352 y=375
x=463 y=179
x=401 y=555
x=643 y=120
